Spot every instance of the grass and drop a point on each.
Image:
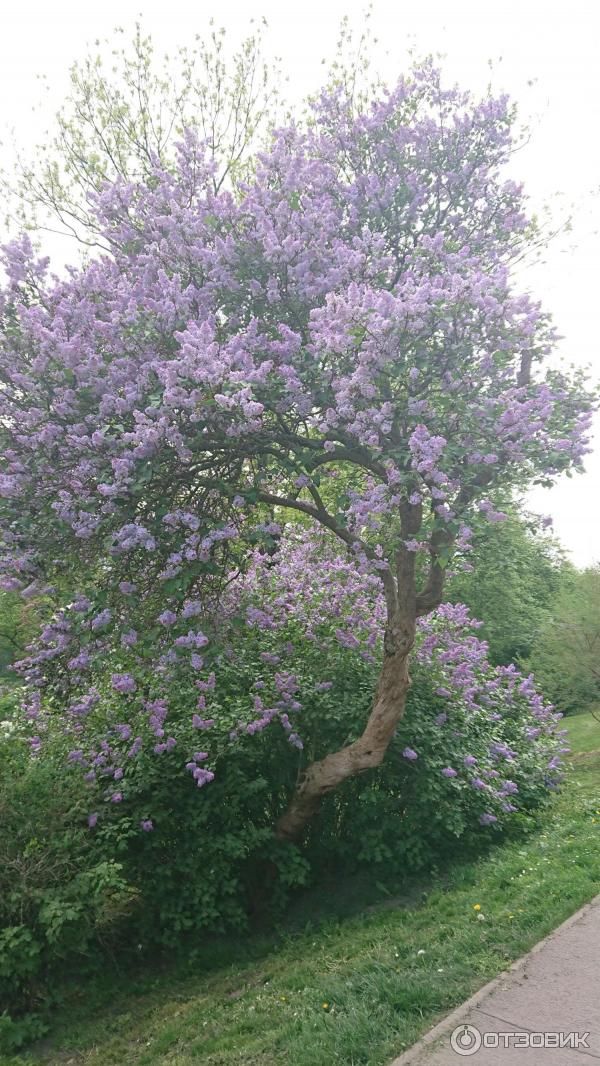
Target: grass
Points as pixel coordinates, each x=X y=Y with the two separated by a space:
x=353 y=990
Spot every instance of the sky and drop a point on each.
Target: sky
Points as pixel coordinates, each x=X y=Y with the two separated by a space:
x=544 y=53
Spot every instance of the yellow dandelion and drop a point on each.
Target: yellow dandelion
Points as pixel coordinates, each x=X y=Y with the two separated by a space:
x=477 y=906
x=325 y=1006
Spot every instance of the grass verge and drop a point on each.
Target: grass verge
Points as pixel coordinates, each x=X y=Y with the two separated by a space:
x=353 y=990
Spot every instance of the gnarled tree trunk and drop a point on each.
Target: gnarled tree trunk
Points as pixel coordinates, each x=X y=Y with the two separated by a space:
x=368 y=750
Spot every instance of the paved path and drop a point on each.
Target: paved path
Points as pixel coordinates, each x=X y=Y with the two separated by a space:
x=553 y=989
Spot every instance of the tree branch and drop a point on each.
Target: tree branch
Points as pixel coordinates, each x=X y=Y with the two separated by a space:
x=327 y=520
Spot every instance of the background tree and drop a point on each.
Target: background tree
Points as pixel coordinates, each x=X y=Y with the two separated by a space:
x=170 y=406
x=566 y=654
x=516 y=574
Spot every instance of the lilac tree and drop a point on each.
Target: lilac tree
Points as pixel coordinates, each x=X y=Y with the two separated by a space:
x=336 y=340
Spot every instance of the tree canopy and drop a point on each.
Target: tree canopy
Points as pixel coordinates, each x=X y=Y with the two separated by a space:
x=344 y=314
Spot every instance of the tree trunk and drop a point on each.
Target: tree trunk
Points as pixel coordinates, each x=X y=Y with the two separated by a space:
x=368 y=751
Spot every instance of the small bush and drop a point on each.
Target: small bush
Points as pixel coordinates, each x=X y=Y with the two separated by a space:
x=59 y=896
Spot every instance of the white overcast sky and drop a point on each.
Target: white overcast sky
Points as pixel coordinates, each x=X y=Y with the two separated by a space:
x=545 y=53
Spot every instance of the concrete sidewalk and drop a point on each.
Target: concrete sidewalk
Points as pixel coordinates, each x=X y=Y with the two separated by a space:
x=555 y=989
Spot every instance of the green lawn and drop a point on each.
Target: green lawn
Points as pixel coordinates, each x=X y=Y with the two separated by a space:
x=352 y=990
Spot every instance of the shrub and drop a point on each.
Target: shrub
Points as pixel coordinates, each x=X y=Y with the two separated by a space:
x=60 y=897
x=128 y=849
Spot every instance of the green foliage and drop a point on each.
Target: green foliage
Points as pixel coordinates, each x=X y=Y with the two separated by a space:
x=15 y=1032
x=70 y=895
x=566 y=654
x=17 y=625
x=537 y=609
x=202 y=865
x=517 y=574
x=59 y=897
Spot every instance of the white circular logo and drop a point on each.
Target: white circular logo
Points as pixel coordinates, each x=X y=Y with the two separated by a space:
x=465 y=1040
